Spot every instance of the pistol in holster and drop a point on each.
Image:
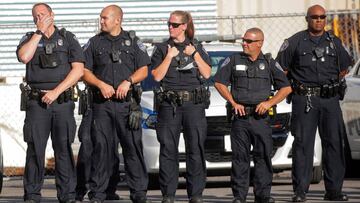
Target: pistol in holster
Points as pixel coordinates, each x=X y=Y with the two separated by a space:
x=202 y=95
x=25 y=91
x=229 y=112
x=85 y=100
x=342 y=88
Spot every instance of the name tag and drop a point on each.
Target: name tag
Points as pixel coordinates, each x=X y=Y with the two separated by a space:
x=241 y=67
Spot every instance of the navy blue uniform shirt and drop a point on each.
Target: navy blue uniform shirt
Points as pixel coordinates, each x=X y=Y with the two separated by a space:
x=175 y=79
x=132 y=55
x=298 y=56
x=251 y=80
x=67 y=50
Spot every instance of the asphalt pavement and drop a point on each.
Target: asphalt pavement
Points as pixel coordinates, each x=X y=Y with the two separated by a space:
x=217 y=190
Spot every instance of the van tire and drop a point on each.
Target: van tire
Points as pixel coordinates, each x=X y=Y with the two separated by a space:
x=317 y=174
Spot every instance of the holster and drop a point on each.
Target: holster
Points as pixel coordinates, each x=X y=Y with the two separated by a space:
x=24 y=96
x=342 y=88
x=229 y=112
x=202 y=95
x=85 y=101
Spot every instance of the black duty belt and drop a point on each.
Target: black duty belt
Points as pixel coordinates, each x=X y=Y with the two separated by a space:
x=308 y=91
x=37 y=94
x=185 y=95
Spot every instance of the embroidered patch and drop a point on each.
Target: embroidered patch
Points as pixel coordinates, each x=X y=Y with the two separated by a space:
x=285 y=45
x=141 y=45
x=86 y=45
x=153 y=51
x=226 y=61
x=278 y=66
x=23 y=39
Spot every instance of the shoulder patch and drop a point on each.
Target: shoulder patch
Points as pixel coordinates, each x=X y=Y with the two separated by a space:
x=278 y=66
x=285 y=45
x=25 y=37
x=141 y=45
x=76 y=39
x=154 y=50
x=204 y=50
x=226 y=61
x=86 y=45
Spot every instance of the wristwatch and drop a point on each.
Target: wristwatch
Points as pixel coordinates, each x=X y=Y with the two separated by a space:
x=38 y=32
x=129 y=79
x=193 y=54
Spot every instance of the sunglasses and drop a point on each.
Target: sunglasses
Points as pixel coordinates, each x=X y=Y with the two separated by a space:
x=315 y=17
x=174 y=25
x=249 y=41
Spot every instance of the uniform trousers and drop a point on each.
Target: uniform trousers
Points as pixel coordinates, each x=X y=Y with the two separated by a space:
x=41 y=121
x=247 y=131
x=189 y=119
x=110 y=119
x=325 y=115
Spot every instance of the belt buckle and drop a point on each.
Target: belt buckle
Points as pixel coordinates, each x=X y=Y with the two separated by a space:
x=186 y=96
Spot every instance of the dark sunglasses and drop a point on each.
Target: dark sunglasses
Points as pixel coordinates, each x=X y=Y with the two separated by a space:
x=249 y=41
x=174 y=25
x=315 y=17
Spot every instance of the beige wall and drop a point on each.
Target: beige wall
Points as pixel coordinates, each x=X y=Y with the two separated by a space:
x=252 y=7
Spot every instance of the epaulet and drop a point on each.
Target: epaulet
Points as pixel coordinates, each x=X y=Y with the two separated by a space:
x=30 y=33
x=62 y=32
x=330 y=34
x=132 y=34
x=268 y=56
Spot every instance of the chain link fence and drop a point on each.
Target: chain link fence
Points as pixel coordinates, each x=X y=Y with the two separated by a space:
x=344 y=24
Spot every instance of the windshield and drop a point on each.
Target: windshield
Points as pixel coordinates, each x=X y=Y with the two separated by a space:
x=216 y=57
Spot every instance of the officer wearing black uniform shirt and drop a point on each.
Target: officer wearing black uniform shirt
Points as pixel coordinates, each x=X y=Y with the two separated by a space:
x=54 y=63
x=251 y=75
x=179 y=64
x=316 y=62
x=115 y=60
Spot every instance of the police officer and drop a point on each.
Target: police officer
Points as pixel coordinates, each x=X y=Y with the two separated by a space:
x=251 y=75
x=54 y=63
x=180 y=64
x=83 y=164
x=316 y=61
x=115 y=60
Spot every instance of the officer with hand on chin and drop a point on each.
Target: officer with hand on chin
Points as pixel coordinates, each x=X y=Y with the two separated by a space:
x=54 y=63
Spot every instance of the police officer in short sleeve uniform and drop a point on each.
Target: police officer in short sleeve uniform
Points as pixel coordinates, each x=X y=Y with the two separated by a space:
x=54 y=63
x=316 y=62
x=179 y=64
x=251 y=75
x=115 y=60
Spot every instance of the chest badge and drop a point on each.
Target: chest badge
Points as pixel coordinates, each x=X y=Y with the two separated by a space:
x=262 y=66
x=60 y=42
x=127 y=43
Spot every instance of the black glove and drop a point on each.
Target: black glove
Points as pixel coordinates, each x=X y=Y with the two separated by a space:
x=135 y=116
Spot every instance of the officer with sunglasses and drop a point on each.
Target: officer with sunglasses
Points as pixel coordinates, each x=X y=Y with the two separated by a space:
x=180 y=64
x=251 y=75
x=316 y=63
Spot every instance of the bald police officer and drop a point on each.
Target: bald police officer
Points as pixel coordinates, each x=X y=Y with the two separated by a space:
x=115 y=61
x=316 y=63
x=54 y=63
x=251 y=75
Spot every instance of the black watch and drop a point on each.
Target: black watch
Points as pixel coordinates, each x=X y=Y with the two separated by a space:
x=193 y=54
x=129 y=79
x=38 y=32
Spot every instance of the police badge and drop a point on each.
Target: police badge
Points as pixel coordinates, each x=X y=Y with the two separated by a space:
x=127 y=42
x=60 y=42
x=262 y=66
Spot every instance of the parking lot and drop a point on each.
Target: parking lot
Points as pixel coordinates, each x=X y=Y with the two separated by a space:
x=217 y=190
